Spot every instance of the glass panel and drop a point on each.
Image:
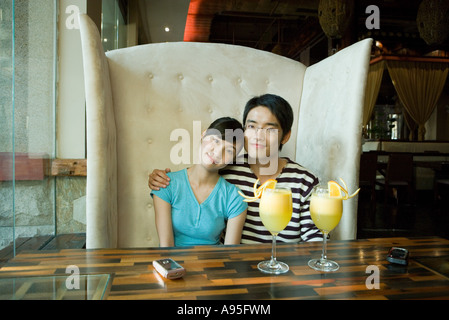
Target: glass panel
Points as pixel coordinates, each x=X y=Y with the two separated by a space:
x=387 y=123
x=28 y=56
x=6 y=123
x=113 y=25
x=86 y=287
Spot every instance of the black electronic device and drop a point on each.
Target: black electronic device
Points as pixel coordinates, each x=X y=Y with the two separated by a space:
x=398 y=255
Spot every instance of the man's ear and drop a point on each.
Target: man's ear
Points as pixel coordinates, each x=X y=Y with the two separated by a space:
x=286 y=137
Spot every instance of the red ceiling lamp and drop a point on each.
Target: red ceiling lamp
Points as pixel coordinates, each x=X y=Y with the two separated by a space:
x=197 y=24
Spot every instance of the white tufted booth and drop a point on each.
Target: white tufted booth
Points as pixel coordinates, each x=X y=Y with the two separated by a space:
x=137 y=97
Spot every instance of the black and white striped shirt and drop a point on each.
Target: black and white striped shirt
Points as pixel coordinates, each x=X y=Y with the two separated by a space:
x=293 y=176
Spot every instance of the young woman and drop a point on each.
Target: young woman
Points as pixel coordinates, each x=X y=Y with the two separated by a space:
x=268 y=120
x=199 y=204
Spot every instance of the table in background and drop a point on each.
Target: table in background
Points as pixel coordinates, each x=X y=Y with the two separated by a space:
x=230 y=272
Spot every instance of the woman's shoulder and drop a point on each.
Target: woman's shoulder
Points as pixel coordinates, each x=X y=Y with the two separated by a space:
x=227 y=186
x=177 y=174
x=177 y=178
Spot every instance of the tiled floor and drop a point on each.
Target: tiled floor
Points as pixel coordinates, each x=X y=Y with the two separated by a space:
x=425 y=217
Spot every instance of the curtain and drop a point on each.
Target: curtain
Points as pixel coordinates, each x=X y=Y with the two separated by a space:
x=411 y=124
x=374 y=81
x=419 y=86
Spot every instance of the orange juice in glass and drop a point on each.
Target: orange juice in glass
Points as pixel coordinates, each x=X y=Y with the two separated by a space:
x=326 y=209
x=275 y=209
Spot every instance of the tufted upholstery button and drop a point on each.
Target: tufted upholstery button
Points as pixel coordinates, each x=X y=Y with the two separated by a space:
x=149 y=206
x=267 y=82
x=180 y=76
x=210 y=79
x=150 y=76
x=150 y=141
x=210 y=110
x=239 y=80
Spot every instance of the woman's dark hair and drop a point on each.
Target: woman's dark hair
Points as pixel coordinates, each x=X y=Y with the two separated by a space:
x=278 y=106
x=229 y=129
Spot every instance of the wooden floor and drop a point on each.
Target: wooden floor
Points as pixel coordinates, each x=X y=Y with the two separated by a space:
x=50 y=242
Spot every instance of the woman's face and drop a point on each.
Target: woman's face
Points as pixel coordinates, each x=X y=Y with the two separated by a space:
x=263 y=134
x=217 y=153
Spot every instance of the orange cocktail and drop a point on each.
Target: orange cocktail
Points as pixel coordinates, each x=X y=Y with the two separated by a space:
x=276 y=209
x=326 y=209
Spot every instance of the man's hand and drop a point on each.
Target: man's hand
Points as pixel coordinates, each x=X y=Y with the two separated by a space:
x=158 y=179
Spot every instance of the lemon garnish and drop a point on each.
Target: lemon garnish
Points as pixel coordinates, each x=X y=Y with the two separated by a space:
x=336 y=190
x=269 y=184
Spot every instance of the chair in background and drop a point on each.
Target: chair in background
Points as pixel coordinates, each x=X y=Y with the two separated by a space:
x=398 y=177
x=441 y=184
x=367 y=176
x=137 y=97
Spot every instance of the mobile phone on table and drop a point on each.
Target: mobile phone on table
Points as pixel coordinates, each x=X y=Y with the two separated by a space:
x=398 y=256
x=169 y=268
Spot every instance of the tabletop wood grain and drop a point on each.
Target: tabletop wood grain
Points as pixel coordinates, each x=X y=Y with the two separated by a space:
x=230 y=272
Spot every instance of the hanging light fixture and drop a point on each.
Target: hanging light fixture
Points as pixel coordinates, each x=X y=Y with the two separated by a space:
x=334 y=16
x=433 y=21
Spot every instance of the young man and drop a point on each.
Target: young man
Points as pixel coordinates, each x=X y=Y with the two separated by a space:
x=267 y=120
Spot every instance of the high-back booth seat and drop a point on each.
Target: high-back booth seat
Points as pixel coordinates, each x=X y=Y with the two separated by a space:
x=142 y=101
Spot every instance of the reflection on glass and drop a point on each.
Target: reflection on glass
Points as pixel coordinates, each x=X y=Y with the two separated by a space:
x=85 y=287
x=6 y=122
x=113 y=25
x=27 y=111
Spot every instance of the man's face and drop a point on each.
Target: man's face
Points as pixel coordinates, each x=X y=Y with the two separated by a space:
x=263 y=134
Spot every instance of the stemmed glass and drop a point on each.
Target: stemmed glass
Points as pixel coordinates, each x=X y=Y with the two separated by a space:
x=275 y=211
x=326 y=212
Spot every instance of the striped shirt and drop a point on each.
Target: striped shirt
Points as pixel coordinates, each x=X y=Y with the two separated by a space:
x=293 y=176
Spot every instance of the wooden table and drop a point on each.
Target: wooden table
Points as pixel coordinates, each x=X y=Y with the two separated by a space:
x=435 y=165
x=230 y=272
